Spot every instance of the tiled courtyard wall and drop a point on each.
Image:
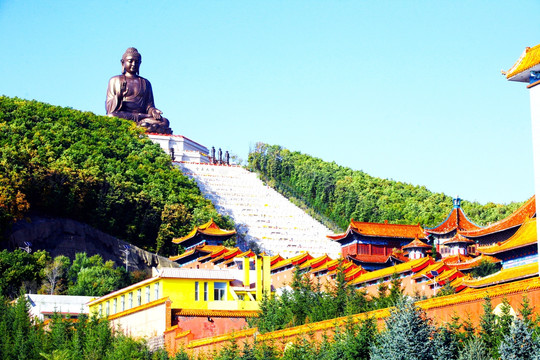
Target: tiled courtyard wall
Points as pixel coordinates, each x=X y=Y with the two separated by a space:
x=468 y=304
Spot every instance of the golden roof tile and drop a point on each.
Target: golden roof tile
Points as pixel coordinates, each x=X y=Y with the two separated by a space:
x=528 y=60
x=416 y=243
x=378 y=274
x=518 y=217
x=210 y=228
x=382 y=230
x=524 y=236
x=505 y=275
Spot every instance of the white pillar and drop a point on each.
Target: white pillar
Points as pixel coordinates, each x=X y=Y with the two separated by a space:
x=534 y=91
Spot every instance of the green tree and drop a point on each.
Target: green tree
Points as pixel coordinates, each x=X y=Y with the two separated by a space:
x=92 y=277
x=488 y=328
x=519 y=344
x=504 y=321
x=229 y=352
x=396 y=290
x=407 y=335
x=474 y=349
x=335 y=194
x=55 y=275
x=301 y=349
x=19 y=269
x=485 y=268
x=445 y=344
x=352 y=342
x=99 y=170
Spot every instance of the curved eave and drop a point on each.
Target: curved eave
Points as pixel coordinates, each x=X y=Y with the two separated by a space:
x=416 y=244
x=442 y=229
x=527 y=62
x=456 y=241
x=505 y=276
x=495 y=252
x=525 y=236
x=476 y=235
x=517 y=218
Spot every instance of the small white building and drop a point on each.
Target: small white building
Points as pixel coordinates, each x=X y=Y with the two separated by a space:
x=45 y=306
x=181 y=148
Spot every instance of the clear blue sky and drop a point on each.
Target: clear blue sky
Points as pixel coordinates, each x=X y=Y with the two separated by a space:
x=407 y=90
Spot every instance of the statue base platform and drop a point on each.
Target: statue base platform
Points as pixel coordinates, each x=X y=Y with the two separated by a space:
x=181 y=148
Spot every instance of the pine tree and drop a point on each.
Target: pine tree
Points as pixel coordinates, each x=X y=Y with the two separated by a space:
x=474 y=349
x=527 y=312
x=181 y=355
x=396 y=290
x=23 y=348
x=488 y=328
x=519 y=343
x=229 y=352
x=445 y=344
x=407 y=336
x=248 y=352
x=300 y=350
x=504 y=322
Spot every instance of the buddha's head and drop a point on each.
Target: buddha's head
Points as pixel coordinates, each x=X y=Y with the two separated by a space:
x=131 y=60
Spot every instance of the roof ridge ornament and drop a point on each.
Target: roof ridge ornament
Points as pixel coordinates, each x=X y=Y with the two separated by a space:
x=457 y=201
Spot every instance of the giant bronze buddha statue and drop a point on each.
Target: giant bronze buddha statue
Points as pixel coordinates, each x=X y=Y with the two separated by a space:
x=129 y=96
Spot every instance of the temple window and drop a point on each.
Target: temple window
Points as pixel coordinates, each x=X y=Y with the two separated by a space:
x=139 y=297
x=130 y=300
x=115 y=303
x=123 y=302
x=196 y=291
x=148 y=294
x=156 y=290
x=205 y=291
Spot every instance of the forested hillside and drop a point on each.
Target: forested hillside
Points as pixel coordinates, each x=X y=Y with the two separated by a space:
x=99 y=170
x=336 y=194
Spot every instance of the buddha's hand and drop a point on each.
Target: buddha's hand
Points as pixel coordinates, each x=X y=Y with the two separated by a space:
x=156 y=114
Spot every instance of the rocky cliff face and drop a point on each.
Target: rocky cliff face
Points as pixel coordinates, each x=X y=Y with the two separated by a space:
x=68 y=237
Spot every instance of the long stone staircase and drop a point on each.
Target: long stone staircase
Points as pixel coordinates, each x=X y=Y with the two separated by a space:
x=261 y=214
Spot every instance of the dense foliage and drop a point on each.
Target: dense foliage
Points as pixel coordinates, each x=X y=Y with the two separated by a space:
x=99 y=170
x=308 y=302
x=409 y=335
x=85 y=276
x=335 y=194
x=92 y=339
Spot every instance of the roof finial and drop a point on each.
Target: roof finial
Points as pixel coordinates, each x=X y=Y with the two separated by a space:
x=457 y=202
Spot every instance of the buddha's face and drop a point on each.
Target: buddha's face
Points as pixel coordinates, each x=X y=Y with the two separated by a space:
x=131 y=64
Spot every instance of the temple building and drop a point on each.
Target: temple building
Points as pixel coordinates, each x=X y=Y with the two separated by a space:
x=374 y=245
x=502 y=230
x=417 y=249
x=211 y=257
x=527 y=70
x=466 y=264
x=189 y=302
x=454 y=222
x=520 y=249
x=458 y=245
x=206 y=234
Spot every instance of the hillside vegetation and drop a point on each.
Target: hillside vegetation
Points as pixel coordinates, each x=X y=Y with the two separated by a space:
x=335 y=194
x=102 y=171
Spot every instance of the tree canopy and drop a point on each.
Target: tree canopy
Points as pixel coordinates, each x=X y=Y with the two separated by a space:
x=99 y=170
x=335 y=194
